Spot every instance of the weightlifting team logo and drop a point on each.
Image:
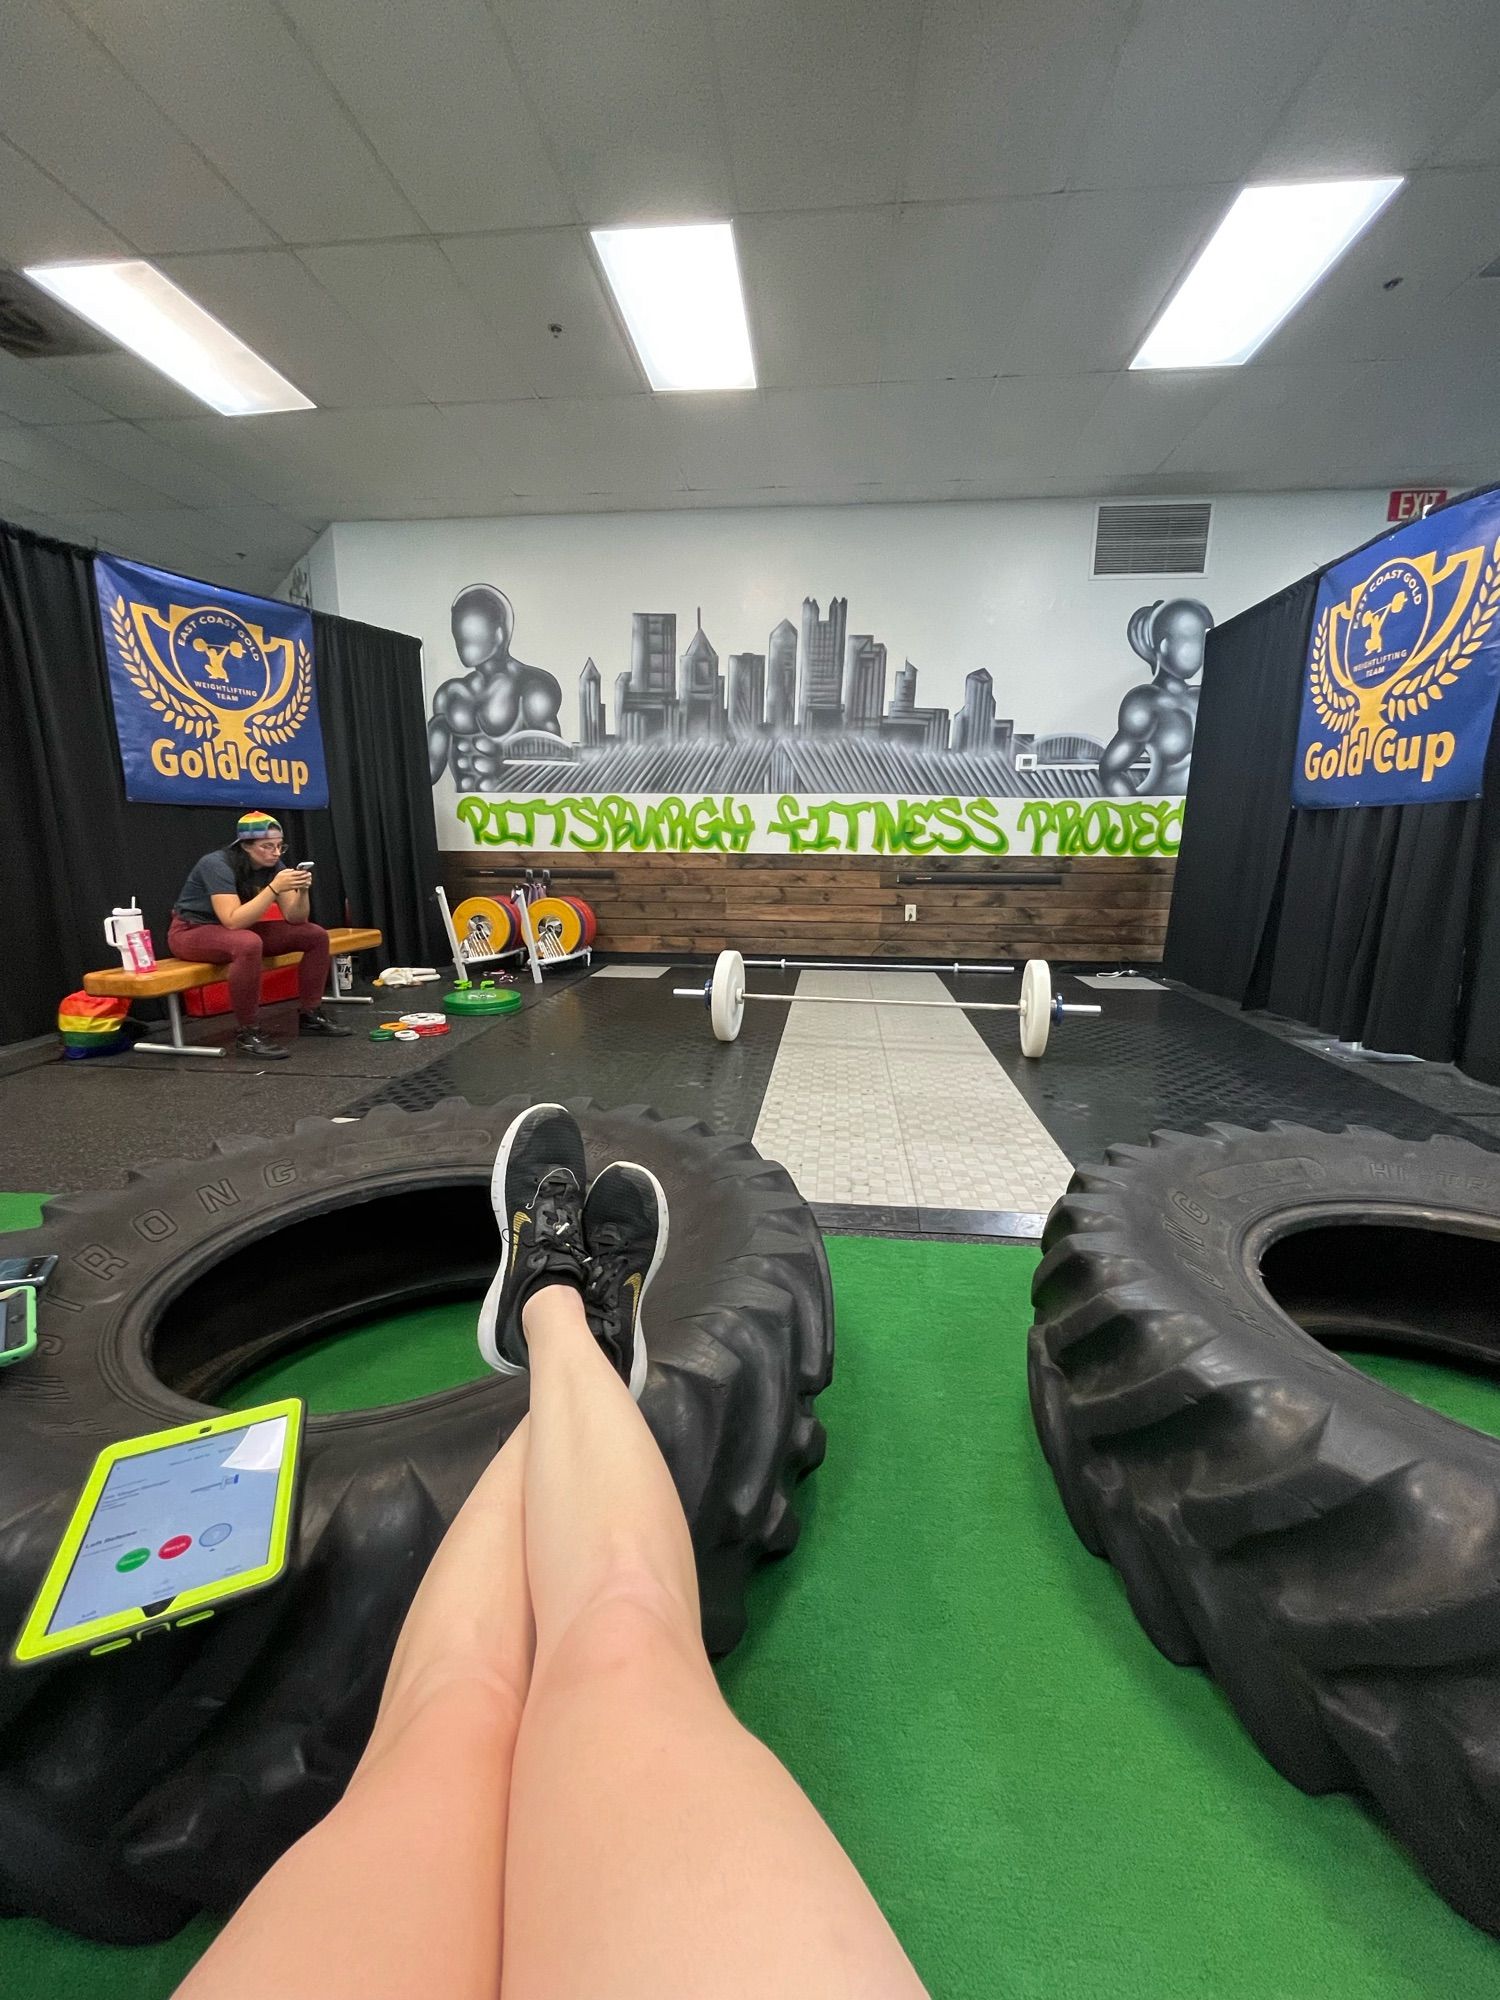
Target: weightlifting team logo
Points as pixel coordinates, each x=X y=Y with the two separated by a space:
x=213 y=699
x=1403 y=666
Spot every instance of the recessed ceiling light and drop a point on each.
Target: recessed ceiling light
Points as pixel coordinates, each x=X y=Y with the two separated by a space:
x=138 y=306
x=678 y=288
x=1257 y=267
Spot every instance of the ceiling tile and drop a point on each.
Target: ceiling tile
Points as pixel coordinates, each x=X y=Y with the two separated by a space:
x=1476 y=143
x=815 y=288
x=1137 y=423
x=1401 y=78
x=1005 y=94
x=67 y=104
x=817 y=98
x=628 y=99
x=41 y=223
x=1439 y=231
x=1198 y=89
x=323 y=464
x=407 y=299
x=81 y=480
x=934 y=431
x=135 y=453
x=1275 y=424
x=524 y=284
x=603 y=447
x=241 y=87
x=779 y=438
x=245 y=548
x=121 y=384
x=272 y=300
x=473 y=156
x=33 y=392
x=1109 y=262
x=960 y=277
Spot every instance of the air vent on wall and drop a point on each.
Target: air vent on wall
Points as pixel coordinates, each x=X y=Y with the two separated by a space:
x=1151 y=538
x=36 y=328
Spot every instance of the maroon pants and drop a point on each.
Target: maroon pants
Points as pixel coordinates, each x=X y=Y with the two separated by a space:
x=242 y=951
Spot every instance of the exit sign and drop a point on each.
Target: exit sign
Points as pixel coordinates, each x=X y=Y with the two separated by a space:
x=1410 y=503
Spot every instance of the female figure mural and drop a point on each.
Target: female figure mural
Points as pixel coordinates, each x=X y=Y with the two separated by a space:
x=1158 y=718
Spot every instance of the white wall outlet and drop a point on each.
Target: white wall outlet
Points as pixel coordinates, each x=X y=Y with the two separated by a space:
x=911 y=913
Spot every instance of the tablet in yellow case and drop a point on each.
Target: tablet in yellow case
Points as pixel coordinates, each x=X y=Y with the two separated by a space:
x=168 y=1528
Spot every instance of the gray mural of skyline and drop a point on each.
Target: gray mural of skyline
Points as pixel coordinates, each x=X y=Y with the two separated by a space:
x=813 y=712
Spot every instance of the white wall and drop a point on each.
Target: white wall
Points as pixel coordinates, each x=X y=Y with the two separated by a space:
x=1003 y=585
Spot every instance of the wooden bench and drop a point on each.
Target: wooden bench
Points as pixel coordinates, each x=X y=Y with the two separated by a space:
x=171 y=976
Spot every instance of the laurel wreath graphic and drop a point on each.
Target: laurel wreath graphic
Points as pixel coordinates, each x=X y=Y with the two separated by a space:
x=1336 y=707
x=157 y=692
x=1418 y=690
x=283 y=723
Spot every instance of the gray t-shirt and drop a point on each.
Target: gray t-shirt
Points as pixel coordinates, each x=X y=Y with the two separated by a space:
x=214 y=876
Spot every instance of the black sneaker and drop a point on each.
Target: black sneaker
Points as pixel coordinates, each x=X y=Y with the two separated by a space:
x=625 y=1228
x=318 y=1023
x=249 y=1043
x=537 y=1192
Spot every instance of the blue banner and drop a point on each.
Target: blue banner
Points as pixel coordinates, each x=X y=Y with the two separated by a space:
x=1403 y=666
x=215 y=701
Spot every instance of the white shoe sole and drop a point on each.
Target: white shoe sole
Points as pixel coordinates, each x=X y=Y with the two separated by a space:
x=640 y=1360
x=488 y=1332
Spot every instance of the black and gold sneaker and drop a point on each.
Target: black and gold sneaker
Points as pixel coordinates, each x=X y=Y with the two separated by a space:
x=537 y=1193
x=625 y=1232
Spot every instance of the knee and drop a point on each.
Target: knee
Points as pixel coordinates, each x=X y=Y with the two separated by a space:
x=636 y=1630
x=246 y=944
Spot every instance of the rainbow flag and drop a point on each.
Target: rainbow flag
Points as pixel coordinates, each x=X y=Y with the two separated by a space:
x=90 y=1026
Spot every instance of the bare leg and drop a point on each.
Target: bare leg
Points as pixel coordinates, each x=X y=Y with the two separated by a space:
x=399 y=1891
x=657 y=1849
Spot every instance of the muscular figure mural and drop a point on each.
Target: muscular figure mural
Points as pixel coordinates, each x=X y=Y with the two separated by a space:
x=497 y=700
x=1157 y=719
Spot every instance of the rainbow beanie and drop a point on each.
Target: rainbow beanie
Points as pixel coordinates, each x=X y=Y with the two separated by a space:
x=255 y=826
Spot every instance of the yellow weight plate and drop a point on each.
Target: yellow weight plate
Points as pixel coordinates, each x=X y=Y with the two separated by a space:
x=556 y=926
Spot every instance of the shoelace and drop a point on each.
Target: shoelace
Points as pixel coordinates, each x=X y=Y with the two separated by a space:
x=608 y=1261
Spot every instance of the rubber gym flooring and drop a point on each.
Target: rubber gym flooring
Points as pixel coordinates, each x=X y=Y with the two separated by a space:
x=910 y=1121
x=1041 y=1804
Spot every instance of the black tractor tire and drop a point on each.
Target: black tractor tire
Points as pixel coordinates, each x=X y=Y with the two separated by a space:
x=139 y=1788
x=1328 y=1549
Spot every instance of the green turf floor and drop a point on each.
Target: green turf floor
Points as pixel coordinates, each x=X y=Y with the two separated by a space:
x=1043 y=1806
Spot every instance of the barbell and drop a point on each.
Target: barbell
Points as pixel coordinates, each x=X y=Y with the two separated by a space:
x=1038 y=1009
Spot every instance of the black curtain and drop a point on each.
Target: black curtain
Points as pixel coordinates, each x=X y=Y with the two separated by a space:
x=384 y=834
x=72 y=846
x=1239 y=801
x=1378 y=924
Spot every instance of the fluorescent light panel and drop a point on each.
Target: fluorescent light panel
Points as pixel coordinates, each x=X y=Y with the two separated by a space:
x=1258 y=266
x=679 y=291
x=140 y=307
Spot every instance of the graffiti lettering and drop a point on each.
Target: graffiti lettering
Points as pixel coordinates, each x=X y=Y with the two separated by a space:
x=1103 y=826
x=788 y=824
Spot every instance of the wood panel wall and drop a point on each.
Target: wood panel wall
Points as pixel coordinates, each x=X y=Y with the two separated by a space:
x=850 y=906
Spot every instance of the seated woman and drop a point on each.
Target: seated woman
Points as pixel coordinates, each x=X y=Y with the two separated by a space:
x=239 y=905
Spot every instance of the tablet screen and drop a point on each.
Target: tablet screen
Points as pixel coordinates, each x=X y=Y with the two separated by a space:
x=171 y=1520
